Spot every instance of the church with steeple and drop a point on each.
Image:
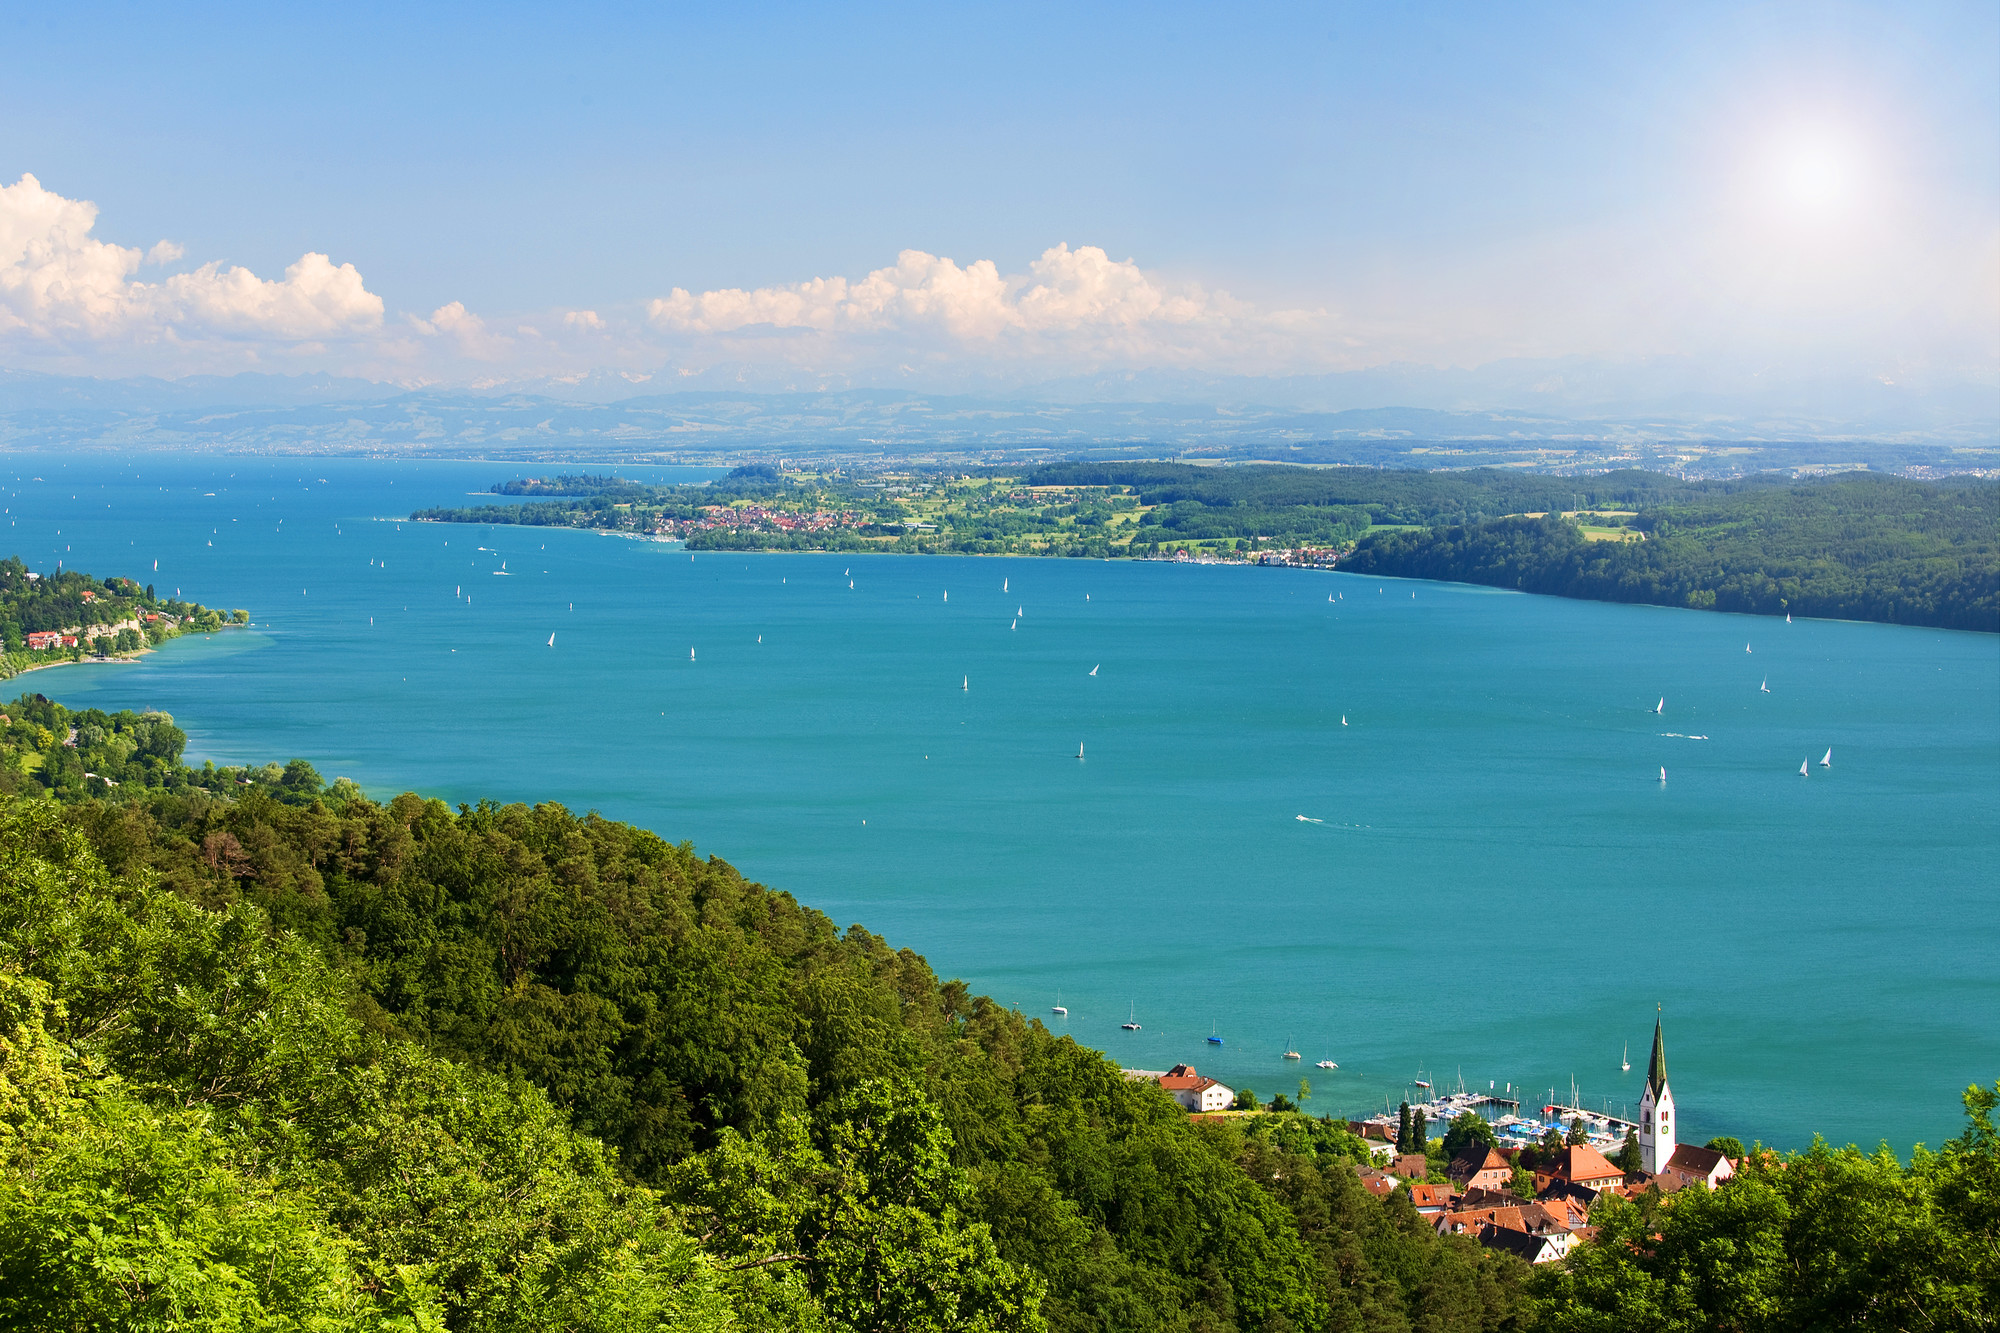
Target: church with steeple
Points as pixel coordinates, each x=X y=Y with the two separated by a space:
x=1656 y=1110
x=1672 y=1163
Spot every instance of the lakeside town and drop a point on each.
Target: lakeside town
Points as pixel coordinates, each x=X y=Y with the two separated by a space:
x=1523 y=1184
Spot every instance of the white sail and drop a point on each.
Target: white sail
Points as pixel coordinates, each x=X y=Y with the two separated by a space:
x=1827 y=760
x=1661 y=706
x=1093 y=670
x=1764 y=686
x=1343 y=719
x=947 y=594
x=965 y=682
x=1079 y=749
x=690 y=654
x=552 y=640
x=1663 y=775
x=1802 y=766
x=1003 y=585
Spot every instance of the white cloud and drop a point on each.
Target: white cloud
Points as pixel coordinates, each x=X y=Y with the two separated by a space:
x=1067 y=297
x=58 y=283
x=583 y=321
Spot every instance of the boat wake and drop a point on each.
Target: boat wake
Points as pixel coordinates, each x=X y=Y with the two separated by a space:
x=1679 y=736
x=1308 y=819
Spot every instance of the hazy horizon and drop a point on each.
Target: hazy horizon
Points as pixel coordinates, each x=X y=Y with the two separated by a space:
x=1696 y=209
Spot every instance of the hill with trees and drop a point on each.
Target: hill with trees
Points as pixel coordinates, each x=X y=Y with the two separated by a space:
x=1853 y=547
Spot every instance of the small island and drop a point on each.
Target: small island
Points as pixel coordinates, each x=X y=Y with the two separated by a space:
x=68 y=616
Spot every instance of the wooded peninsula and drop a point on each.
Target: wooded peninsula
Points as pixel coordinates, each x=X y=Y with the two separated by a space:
x=274 y=1054
x=1854 y=545
x=48 y=619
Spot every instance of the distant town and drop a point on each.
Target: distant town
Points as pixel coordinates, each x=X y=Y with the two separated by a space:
x=1524 y=1184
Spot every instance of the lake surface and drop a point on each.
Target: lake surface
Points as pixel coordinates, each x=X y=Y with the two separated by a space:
x=1491 y=882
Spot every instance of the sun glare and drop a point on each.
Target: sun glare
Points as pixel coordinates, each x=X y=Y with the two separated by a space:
x=1810 y=179
x=1815 y=178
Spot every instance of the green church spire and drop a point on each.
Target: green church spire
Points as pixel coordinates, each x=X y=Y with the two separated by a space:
x=1656 y=1068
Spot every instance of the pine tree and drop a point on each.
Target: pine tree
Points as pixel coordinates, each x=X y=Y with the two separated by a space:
x=1628 y=1158
x=1420 y=1133
x=1403 y=1131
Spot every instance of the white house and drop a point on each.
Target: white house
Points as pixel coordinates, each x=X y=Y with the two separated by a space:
x=1703 y=1165
x=1195 y=1091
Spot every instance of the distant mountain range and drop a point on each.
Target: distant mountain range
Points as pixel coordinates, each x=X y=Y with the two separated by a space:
x=1152 y=415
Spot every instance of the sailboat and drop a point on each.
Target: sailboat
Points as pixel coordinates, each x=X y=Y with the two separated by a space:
x=1661 y=706
x=1057 y=1007
x=1327 y=1064
x=1625 y=1060
x=1343 y=719
x=1017 y=613
x=1826 y=760
x=1802 y=767
x=1079 y=749
x=1746 y=647
x=965 y=682
x=1213 y=1040
x=1663 y=775
x=1093 y=670
x=1131 y=1023
x=1788 y=617
x=690 y=654
x=1420 y=1080
x=552 y=640
x=1015 y=624
x=1003 y=585
x=947 y=594
x=1764 y=686
x=1289 y=1053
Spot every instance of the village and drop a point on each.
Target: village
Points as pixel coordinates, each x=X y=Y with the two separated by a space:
x=1522 y=1184
x=760 y=518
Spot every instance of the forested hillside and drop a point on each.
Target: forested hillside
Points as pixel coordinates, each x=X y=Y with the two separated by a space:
x=1854 y=547
x=275 y=1055
x=803 y=1127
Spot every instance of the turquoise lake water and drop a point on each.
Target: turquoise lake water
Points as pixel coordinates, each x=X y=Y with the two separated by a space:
x=1497 y=886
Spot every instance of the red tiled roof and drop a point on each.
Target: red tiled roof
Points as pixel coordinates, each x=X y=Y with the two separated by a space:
x=1430 y=1196
x=1579 y=1163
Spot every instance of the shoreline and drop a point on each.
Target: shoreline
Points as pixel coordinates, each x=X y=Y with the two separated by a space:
x=126 y=659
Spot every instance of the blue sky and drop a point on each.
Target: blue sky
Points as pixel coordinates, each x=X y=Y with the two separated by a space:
x=1275 y=189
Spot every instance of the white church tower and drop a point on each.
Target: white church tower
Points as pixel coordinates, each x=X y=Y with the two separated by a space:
x=1656 y=1110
